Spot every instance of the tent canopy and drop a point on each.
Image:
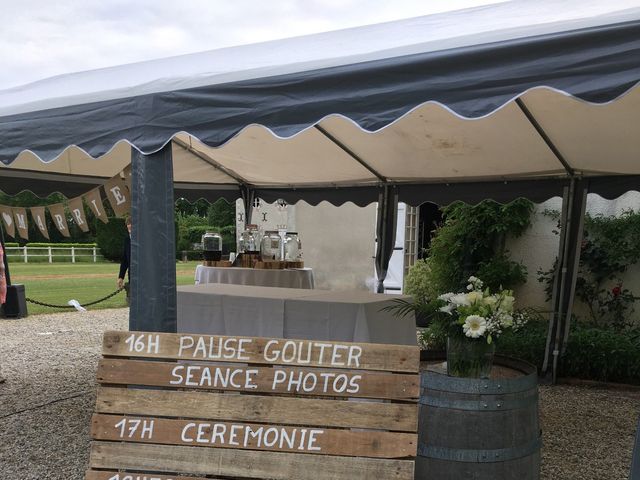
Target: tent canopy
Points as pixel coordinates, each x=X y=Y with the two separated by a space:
x=523 y=94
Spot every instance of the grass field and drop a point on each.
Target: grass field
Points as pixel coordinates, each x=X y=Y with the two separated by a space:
x=57 y=283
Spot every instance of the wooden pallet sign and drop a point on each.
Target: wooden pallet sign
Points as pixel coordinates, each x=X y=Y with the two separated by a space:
x=197 y=407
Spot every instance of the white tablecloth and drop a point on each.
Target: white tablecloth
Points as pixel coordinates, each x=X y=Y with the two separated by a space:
x=294 y=278
x=219 y=309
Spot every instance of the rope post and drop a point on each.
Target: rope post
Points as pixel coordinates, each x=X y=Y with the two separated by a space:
x=25 y=254
x=94 y=255
x=49 y=252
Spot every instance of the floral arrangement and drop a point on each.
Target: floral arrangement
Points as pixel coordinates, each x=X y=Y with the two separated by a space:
x=479 y=313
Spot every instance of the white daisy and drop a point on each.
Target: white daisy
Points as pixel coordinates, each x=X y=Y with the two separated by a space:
x=474 y=326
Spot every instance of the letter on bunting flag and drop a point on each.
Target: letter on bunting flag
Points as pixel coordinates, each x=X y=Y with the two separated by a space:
x=41 y=222
x=77 y=213
x=7 y=218
x=20 y=216
x=118 y=195
x=94 y=200
x=57 y=214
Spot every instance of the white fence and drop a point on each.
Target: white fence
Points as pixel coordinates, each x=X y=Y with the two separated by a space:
x=50 y=253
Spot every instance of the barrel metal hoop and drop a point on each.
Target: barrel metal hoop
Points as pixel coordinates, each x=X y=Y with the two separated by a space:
x=485 y=405
x=480 y=456
x=436 y=381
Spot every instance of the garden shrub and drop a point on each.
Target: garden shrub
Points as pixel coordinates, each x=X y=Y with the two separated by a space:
x=472 y=242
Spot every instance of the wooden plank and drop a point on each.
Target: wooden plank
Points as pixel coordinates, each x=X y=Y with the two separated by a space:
x=289 y=381
x=123 y=475
x=308 y=353
x=244 y=463
x=401 y=417
x=253 y=436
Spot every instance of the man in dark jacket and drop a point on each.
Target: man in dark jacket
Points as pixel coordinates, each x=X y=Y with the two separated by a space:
x=126 y=259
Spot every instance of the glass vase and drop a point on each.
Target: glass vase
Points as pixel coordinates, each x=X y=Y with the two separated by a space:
x=469 y=357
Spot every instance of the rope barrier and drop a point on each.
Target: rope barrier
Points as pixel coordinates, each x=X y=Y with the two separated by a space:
x=50 y=305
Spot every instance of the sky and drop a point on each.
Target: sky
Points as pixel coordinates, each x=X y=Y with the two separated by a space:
x=43 y=38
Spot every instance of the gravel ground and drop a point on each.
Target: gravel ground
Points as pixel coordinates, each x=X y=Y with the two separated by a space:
x=49 y=362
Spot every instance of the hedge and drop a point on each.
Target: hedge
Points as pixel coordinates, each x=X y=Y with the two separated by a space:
x=52 y=245
x=593 y=353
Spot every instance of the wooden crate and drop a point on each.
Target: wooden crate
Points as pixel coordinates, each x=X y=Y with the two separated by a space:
x=291 y=414
x=278 y=264
x=219 y=263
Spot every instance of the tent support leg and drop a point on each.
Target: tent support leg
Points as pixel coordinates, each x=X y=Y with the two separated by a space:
x=248 y=196
x=385 y=232
x=565 y=277
x=153 y=249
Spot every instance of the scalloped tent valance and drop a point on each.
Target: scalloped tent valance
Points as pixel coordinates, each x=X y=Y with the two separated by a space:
x=528 y=93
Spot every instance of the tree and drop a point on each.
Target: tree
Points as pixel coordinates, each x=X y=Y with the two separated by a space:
x=221 y=213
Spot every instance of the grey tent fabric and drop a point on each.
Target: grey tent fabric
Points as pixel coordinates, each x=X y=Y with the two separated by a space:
x=595 y=64
x=385 y=232
x=153 y=251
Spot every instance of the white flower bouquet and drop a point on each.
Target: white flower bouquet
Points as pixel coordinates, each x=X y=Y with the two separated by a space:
x=478 y=313
x=476 y=318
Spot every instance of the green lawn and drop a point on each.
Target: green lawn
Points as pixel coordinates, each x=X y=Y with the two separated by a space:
x=57 y=283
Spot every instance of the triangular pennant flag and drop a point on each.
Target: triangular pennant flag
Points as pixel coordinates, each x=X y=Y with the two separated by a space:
x=77 y=213
x=7 y=219
x=20 y=216
x=38 y=215
x=57 y=214
x=118 y=195
x=94 y=200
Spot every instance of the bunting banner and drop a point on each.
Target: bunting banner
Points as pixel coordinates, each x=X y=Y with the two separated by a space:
x=7 y=218
x=94 y=200
x=20 y=216
x=38 y=215
x=77 y=213
x=117 y=191
x=59 y=219
x=118 y=195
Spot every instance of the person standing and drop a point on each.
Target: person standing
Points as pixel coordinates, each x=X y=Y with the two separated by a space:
x=125 y=263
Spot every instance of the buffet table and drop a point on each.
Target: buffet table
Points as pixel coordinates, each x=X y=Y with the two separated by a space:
x=219 y=309
x=294 y=278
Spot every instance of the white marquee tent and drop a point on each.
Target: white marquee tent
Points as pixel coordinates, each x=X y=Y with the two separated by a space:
x=521 y=98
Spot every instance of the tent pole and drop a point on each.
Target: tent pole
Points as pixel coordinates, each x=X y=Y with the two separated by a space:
x=575 y=221
x=575 y=247
x=562 y=281
x=572 y=222
x=248 y=196
x=554 y=315
x=153 y=249
x=385 y=232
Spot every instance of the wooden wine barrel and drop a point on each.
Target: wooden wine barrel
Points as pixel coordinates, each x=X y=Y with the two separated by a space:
x=475 y=429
